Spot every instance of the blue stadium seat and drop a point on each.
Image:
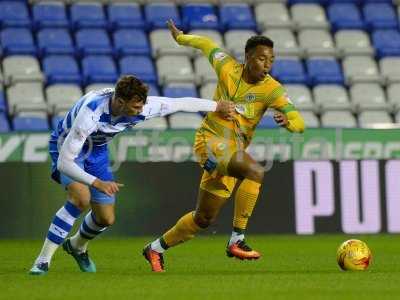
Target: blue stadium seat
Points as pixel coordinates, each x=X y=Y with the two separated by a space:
x=55 y=120
x=380 y=16
x=4 y=126
x=17 y=41
x=345 y=16
x=30 y=124
x=93 y=41
x=199 y=16
x=177 y=91
x=158 y=13
x=362 y=1
x=3 y=104
x=99 y=68
x=289 y=71
x=54 y=41
x=50 y=14
x=14 y=14
x=345 y=1
x=386 y=42
x=61 y=68
x=153 y=90
x=140 y=66
x=125 y=15
x=236 y=16
x=379 y=1
x=131 y=42
x=267 y=122
x=324 y=71
x=84 y=15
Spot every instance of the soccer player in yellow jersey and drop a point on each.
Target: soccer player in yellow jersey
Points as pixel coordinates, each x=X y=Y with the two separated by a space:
x=220 y=143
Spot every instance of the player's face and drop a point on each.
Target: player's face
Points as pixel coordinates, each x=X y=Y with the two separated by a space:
x=133 y=107
x=259 y=62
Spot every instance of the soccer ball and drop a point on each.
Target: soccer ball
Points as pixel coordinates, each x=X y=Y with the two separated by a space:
x=353 y=255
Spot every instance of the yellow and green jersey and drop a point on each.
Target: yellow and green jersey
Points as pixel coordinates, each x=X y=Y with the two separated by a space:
x=252 y=100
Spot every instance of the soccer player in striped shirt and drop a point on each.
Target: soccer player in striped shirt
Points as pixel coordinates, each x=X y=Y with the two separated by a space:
x=220 y=144
x=78 y=149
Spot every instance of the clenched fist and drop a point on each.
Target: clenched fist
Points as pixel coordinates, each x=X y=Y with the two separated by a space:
x=226 y=109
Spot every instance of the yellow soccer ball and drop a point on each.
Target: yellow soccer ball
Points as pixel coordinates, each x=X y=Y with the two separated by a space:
x=353 y=255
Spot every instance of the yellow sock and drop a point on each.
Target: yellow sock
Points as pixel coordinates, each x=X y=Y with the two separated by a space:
x=245 y=200
x=184 y=230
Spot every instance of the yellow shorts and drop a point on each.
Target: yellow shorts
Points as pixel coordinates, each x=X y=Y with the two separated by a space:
x=213 y=154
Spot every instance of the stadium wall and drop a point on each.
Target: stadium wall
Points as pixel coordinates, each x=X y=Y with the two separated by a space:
x=358 y=193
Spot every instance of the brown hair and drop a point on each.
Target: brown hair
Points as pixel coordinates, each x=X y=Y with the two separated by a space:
x=128 y=87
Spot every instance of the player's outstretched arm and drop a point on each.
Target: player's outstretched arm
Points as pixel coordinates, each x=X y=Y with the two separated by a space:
x=205 y=44
x=162 y=106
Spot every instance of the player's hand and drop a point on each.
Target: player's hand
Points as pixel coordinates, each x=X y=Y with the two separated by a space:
x=281 y=119
x=172 y=28
x=226 y=109
x=107 y=187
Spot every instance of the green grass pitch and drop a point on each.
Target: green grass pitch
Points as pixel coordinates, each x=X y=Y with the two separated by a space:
x=292 y=267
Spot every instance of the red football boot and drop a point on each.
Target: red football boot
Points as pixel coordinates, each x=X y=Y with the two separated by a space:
x=155 y=259
x=242 y=251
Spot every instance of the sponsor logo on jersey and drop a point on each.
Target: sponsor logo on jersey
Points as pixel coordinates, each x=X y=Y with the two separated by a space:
x=250 y=97
x=219 y=55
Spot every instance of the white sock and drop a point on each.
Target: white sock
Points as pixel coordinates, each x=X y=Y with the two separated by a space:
x=236 y=237
x=79 y=243
x=47 y=252
x=156 y=246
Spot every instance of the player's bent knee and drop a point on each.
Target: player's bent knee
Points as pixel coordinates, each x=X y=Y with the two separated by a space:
x=105 y=220
x=204 y=221
x=255 y=173
x=80 y=202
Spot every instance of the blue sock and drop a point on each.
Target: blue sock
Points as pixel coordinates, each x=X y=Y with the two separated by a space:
x=63 y=222
x=58 y=231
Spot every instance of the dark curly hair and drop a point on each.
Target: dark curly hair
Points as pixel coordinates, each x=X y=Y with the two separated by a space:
x=256 y=40
x=128 y=87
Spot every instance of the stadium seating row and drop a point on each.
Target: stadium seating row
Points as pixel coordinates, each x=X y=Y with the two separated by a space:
x=179 y=69
x=309 y=42
x=371 y=15
x=217 y=2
